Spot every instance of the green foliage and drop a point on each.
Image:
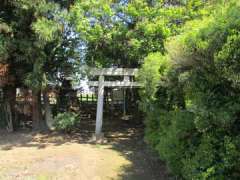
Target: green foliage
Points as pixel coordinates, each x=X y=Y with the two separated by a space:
x=66 y=121
x=2 y=46
x=46 y=29
x=176 y=135
x=35 y=40
x=4 y=30
x=193 y=119
x=189 y=54
x=155 y=66
x=123 y=33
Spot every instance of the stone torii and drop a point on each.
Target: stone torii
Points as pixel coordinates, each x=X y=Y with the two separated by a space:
x=126 y=83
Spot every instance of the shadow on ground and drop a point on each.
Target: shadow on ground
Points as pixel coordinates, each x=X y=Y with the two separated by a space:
x=125 y=138
x=145 y=164
x=26 y=138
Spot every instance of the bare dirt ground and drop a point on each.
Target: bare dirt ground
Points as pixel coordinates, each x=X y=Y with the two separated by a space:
x=52 y=156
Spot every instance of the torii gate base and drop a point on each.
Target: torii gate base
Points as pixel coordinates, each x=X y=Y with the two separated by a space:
x=126 y=83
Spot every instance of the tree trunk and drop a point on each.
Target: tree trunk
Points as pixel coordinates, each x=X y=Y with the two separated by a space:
x=48 y=111
x=10 y=101
x=9 y=117
x=37 y=110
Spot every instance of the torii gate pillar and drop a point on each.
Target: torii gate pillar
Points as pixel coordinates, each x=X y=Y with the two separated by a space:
x=99 y=117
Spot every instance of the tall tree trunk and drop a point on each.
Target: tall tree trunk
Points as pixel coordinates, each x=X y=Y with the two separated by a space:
x=9 y=117
x=10 y=101
x=37 y=110
x=48 y=111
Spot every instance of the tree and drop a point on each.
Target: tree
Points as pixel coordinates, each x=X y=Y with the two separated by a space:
x=123 y=33
x=192 y=117
x=37 y=45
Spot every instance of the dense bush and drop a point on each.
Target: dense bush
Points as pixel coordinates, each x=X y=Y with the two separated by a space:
x=66 y=121
x=193 y=108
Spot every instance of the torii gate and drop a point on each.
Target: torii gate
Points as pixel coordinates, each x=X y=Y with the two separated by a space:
x=125 y=72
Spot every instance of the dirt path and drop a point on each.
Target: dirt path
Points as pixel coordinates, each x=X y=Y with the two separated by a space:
x=28 y=156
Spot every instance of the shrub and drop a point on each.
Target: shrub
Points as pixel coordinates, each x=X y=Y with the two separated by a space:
x=66 y=121
x=192 y=118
